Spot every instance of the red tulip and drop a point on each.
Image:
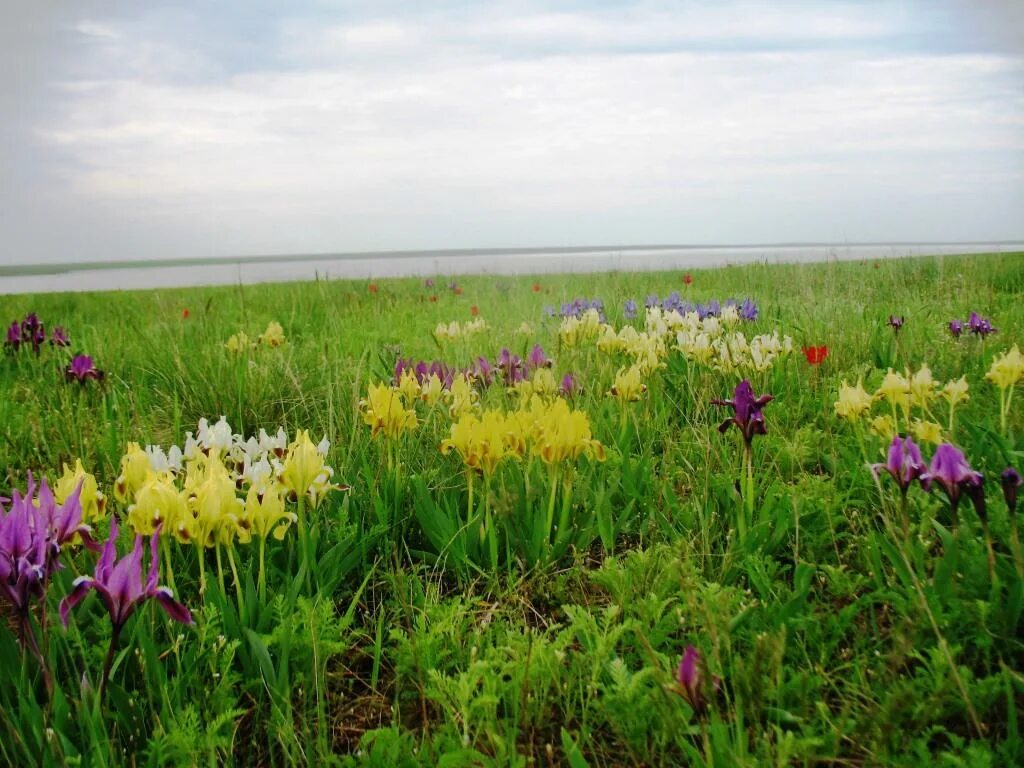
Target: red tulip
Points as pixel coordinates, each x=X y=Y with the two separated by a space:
x=184 y=314
x=536 y=287
x=373 y=287
x=474 y=310
x=458 y=290
x=815 y=355
x=688 y=279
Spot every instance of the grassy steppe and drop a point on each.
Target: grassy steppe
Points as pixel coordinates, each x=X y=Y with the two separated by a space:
x=832 y=638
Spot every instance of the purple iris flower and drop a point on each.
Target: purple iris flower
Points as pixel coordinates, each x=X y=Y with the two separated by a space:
x=401 y=366
x=714 y=308
x=59 y=337
x=120 y=584
x=82 y=369
x=673 y=302
x=1011 y=481
x=511 y=367
x=748 y=310
x=630 y=309
x=904 y=463
x=746 y=411
x=896 y=322
x=484 y=371
x=31 y=538
x=956 y=327
x=689 y=677
x=949 y=468
x=549 y=310
x=651 y=301
x=537 y=358
x=980 y=326
x=13 y=335
x=570 y=387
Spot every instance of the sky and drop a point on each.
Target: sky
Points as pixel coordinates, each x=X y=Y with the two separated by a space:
x=200 y=129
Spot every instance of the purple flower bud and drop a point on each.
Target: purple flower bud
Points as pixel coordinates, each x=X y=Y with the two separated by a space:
x=537 y=358
x=980 y=326
x=1011 y=482
x=956 y=327
x=896 y=322
x=13 y=335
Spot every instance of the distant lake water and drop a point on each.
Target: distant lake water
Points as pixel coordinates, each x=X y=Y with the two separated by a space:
x=444 y=263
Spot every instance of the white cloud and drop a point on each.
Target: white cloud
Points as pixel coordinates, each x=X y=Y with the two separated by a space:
x=385 y=132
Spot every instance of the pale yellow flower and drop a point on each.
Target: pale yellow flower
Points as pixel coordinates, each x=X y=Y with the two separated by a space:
x=853 y=402
x=629 y=386
x=927 y=431
x=1007 y=369
x=273 y=336
x=384 y=412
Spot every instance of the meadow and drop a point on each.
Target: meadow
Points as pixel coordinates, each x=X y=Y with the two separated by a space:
x=503 y=521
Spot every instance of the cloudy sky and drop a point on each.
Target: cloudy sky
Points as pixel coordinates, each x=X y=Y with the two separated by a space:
x=140 y=130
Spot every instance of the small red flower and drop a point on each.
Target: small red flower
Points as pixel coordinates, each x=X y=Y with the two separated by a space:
x=434 y=298
x=458 y=290
x=536 y=287
x=373 y=287
x=876 y=265
x=474 y=310
x=184 y=314
x=688 y=279
x=815 y=355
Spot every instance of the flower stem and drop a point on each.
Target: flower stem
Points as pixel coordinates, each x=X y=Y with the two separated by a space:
x=261 y=582
x=115 y=636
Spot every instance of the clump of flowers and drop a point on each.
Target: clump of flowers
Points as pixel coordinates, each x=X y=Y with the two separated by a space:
x=385 y=413
x=33 y=533
x=579 y=307
x=910 y=397
x=1006 y=371
x=575 y=329
x=455 y=331
x=30 y=333
x=273 y=336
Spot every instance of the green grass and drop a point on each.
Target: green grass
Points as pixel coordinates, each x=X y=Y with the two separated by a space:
x=834 y=639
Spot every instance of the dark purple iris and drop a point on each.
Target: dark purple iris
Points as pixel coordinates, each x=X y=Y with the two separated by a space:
x=537 y=358
x=747 y=414
x=950 y=470
x=1011 y=481
x=511 y=367
x=980 y=326
x=484 y=371
x=82 y=370
x=59 y=337
x=13 y=336
x=896 y=322
x=956 y=327
x=904 y=463
x=570 y=387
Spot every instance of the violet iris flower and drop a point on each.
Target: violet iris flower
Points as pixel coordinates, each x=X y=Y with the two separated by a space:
x=630 y=309
x=689 y=677
x=748 y=310
x=31 y=538
x=537 y=358
x=82 y=369
x=120 y=584
x=956 y=327
x=13 y=335
x=746 y=411
x=1011 y=481
x=904 y=463
x=59 y=337
x=980 y=326
x=651 y=300
x=949 y=468
x=484 y=371
x=511 y=367
x=570 y=386
x=896 y=322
